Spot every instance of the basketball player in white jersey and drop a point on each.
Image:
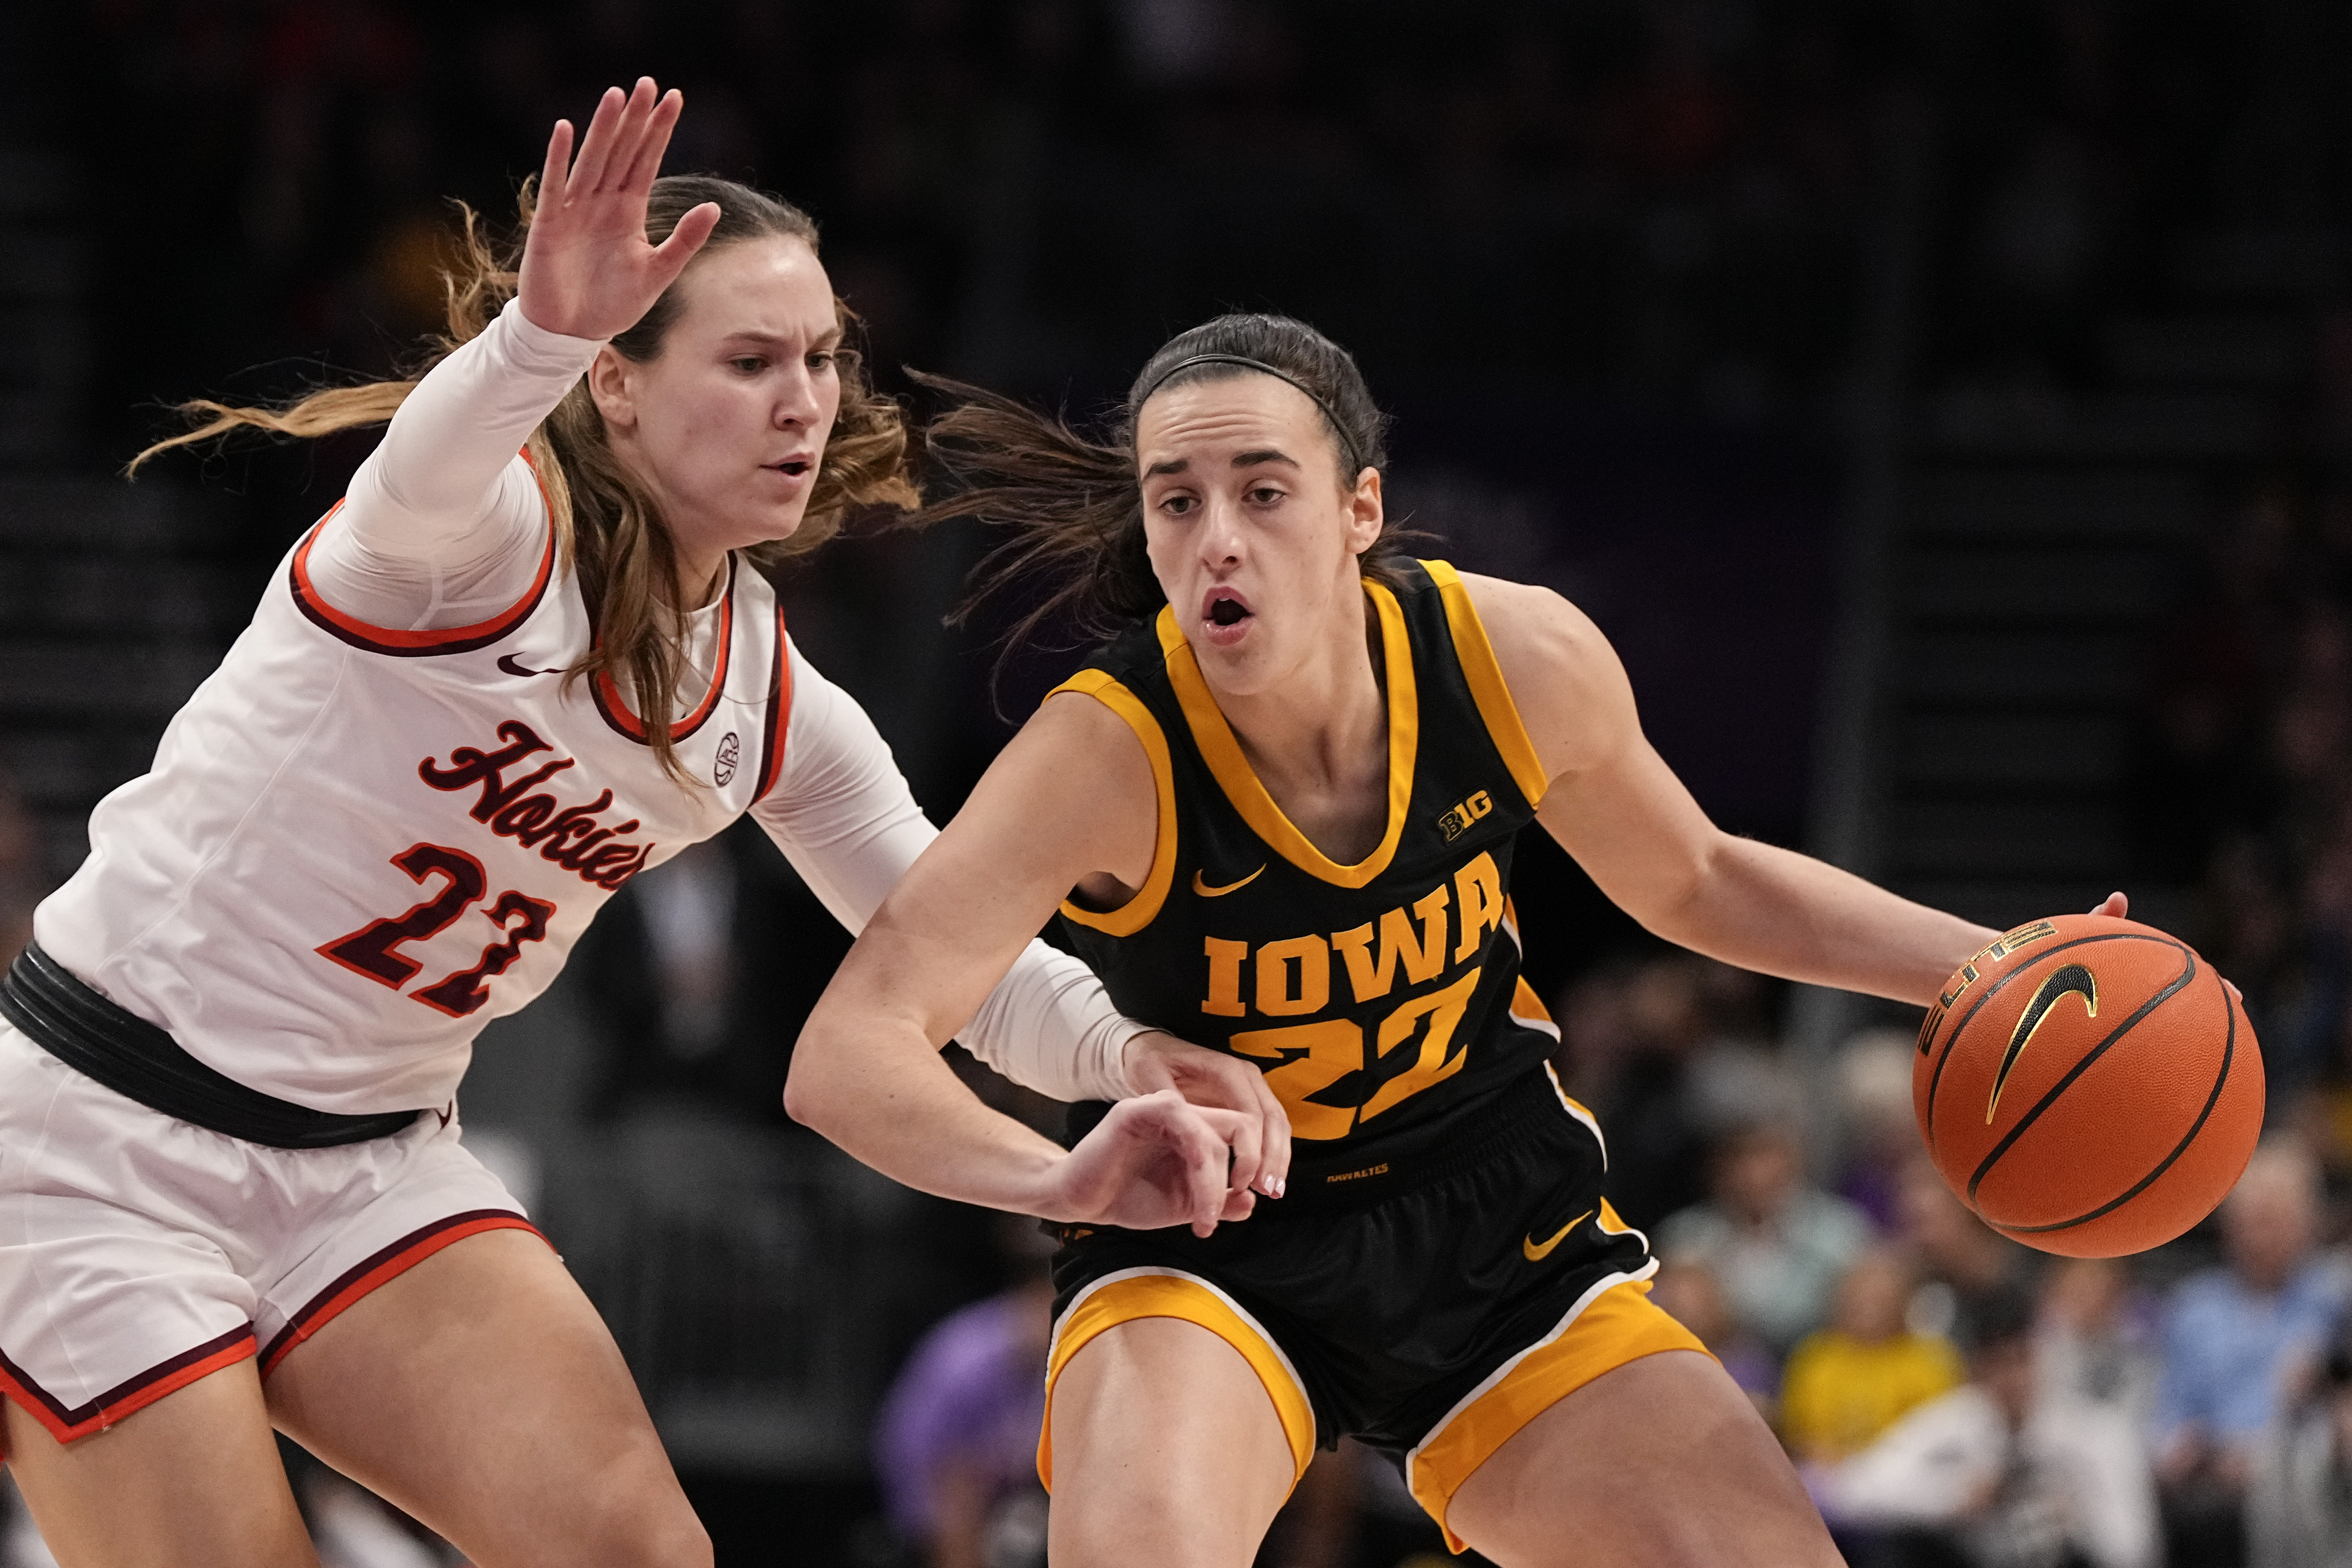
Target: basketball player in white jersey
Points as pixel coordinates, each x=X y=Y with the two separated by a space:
x=480 y=695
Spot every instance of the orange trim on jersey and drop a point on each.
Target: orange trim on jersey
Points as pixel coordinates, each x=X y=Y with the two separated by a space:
x=616 y=708
x=1231 y=768
x=1133 y=1293
x=382 y=1267
x=1138 y=912
x=133 y=1394
x=414 y=645
x=777 y=724
x=1484 y=674
x=1615 y=1323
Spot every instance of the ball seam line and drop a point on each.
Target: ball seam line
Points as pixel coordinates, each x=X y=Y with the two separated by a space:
x=1935 y=1079
x=2229 y=1054
x=2050 y=1098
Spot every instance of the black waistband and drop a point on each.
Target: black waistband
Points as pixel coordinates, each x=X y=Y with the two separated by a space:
x=1493 y=1129
x=1466 y=1139
x=141 y=1062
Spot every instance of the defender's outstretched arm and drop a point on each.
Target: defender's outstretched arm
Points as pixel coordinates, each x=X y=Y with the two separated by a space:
x=1072 y=798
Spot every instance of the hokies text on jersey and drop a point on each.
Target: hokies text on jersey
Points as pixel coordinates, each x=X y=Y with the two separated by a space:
x=572 y=837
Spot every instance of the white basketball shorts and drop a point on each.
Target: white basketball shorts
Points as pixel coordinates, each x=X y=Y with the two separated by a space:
x=139 y=1253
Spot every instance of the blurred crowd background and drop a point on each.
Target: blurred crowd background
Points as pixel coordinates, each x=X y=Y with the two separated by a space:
x=1945 y=408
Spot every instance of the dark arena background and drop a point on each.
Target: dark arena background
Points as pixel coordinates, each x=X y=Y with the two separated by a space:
x=1945 y=408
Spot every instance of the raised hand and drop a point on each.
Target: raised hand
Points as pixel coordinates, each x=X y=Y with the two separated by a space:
x=1156 y=1061
x=1156 y=1161
x=587 y=271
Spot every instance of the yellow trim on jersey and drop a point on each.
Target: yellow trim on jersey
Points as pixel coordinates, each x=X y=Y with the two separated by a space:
x=1615 y=1323
x=1609 y=1223
x=1476 y=656
x=1133 y=1293
x=1239 y=782
x=1138 y=912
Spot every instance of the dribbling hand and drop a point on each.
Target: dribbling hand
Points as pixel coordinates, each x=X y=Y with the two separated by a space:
x=587 y=271
x=1155 y=1160
x=1157 y=1061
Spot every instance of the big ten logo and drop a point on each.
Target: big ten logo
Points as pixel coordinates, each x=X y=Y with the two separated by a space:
x=1969 y=973
x=1292 y=977
x=1456 y=822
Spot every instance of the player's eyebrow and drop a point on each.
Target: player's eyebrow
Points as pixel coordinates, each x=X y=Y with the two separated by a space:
x=1250 y=459
x=1173 y=466
x=823 y=343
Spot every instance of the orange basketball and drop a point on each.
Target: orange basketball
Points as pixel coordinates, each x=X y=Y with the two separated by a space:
x=2088 y=1086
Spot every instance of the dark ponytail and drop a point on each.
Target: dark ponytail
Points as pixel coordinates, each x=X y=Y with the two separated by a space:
x=1074 y=505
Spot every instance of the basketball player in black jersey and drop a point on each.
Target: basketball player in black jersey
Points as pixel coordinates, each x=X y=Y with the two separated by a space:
x=1277 y=814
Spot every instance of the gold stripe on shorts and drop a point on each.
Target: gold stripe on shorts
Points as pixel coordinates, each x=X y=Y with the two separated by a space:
x=1615 y=1323
x=1133 y=1293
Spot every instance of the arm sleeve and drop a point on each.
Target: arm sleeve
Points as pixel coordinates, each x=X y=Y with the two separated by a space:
x=444 y=524
x=842 y=813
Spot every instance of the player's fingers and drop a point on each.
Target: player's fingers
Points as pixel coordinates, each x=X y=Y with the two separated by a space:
x=1241 y=1087
x=596 y=145
x=557 y=170
x=692 y=231
x=2115 y=906
x=1201 y=1139
x=1248 y=1144
x=629 y=136
x=1274 y=1164
x=653 y=145
x=1204 y=1157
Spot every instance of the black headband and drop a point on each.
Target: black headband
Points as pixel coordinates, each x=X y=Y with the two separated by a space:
x=1263 y=368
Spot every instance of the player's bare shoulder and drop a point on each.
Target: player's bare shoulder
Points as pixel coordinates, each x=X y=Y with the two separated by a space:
x=1564 y=678
x=1083 y=733
x=1078 y=764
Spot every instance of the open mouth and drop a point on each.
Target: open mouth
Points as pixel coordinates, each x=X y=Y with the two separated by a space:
x=1225 y=608
x=795 y=466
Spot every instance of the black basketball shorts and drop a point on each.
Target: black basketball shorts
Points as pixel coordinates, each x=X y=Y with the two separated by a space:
x=1428 y=1308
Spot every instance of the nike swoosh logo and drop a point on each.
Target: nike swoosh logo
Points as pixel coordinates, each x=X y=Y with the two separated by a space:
x=446 y=1111
x=507 y=662
x=1205 y=891
x=1537 y=1254
x=2071 y=980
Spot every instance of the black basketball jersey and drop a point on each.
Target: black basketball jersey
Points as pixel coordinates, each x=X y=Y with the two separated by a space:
x=1383 y=999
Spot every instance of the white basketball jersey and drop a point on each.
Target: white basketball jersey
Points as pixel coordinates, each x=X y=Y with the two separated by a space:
x=358 y=845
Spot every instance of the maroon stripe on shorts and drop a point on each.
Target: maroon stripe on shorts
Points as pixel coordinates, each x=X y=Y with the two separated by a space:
x=67 y=1422
x=382 y=1266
